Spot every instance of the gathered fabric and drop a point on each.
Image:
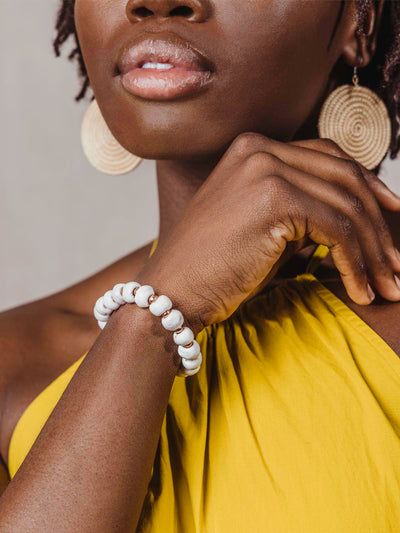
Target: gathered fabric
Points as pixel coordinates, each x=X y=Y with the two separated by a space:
x=291 y=425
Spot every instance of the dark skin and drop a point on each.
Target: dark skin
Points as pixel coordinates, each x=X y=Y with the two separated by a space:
x=205 y=163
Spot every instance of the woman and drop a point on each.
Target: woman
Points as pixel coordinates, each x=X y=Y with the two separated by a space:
x=291 y=422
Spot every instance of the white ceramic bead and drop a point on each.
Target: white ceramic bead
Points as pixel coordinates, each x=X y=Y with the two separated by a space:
x=189 y=353
x=142 y=295
x=122 y=293
x=162 y=304
x=173 y=321
x=127 y=291
x=116 y=293
x=101 y=308
x=191 y=364
x=184 y=337
x=184 y=372
x=109 y=301
x=100 y=316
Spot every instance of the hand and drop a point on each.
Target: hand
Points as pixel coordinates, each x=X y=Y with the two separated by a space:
x=263 y=196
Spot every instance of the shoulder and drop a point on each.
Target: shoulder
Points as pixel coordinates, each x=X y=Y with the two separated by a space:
x=81 y=297
x=34 y=322
x=48 y=323
x=381 y=315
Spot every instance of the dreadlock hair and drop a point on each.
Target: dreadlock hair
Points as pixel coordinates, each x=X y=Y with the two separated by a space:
x=65 y=27
x=381 y=75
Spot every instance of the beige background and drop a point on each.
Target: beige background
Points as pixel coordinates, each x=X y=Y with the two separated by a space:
x=60 y=220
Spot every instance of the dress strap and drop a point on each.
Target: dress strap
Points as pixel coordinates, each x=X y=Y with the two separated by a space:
x=153 y=246
x=320 y=252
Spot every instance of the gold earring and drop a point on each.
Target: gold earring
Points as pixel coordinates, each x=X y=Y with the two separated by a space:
x=100 y=146
x=358 y=121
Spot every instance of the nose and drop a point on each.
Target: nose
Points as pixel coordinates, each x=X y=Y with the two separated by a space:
x=190 y=10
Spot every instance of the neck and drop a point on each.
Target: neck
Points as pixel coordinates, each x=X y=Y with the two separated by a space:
x=178 y=182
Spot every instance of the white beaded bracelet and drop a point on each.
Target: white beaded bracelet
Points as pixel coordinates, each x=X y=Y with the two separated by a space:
x=159 y=305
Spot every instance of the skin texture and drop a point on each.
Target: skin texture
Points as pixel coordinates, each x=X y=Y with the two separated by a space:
x=223 y=151
x=307 y=46
x=286 y=62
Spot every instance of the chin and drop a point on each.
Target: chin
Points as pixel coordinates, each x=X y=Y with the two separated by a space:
x=168 y=146
x=176 y=130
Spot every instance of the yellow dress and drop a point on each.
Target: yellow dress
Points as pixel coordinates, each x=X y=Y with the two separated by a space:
x=292 y=424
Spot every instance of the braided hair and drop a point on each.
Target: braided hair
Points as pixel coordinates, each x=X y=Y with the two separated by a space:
x=382 y=74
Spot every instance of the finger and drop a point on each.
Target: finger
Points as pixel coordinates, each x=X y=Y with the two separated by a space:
x=378 y=263
x=298 y=154
x=329 y=164
x=347 y=172
x=350 y=175
x=326 y=225
x=386 y=197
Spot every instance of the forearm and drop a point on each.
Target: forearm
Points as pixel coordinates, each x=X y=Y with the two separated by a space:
x=90 y=466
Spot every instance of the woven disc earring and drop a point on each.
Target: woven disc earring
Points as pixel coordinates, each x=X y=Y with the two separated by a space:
x=358 y=121
x=100 y=146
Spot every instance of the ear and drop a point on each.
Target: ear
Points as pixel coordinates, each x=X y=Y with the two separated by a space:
x=363 y=46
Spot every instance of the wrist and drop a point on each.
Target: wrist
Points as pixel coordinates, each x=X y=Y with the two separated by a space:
x=137 y=327
x=181 y=330
x=176 y=291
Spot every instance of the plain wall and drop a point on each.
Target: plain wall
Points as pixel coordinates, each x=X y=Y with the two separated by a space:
x=60 y=220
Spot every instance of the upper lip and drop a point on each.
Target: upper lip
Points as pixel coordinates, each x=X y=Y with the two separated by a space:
x=162 y=49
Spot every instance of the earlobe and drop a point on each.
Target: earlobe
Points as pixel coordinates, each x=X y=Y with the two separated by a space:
x=361 y=46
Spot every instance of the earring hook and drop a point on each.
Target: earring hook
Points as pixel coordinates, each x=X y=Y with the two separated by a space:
x=355 y=78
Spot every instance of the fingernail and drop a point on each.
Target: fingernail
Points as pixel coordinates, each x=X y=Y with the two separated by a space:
x=371 y=293
x=397 y=280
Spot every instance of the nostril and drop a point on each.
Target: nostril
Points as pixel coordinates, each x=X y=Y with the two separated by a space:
x=182 y=11
x=142 y=12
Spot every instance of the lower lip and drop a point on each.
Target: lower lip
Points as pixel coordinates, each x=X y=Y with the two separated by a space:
x=168 y=84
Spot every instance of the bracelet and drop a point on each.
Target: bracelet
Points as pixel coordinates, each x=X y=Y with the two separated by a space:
x=159 y=305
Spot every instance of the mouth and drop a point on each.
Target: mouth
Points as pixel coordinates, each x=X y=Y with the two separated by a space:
x=164 y=69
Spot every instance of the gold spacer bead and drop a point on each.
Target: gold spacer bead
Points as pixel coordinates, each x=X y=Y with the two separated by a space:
x=179 y=330
x=188 y=345
x=152 y=298
x=135 y=291
x=166 y=313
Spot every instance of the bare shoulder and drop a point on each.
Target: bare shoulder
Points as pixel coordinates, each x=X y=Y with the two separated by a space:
x=381 y=315
x=33 y=324
x=62 y=321
x=81 y=297
x=40 y=339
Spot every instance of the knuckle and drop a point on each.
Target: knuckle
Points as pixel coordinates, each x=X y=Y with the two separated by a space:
x=355 y=176
x=332 y=146
x=275 y=185
x=354 y=170
x=369 y=176
x=360 y=264
x=262 y=162
x=345 y=226
x=356 y=205
x=382 y=258
x=247 y=141
x=276 y=191
x=382 y=226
